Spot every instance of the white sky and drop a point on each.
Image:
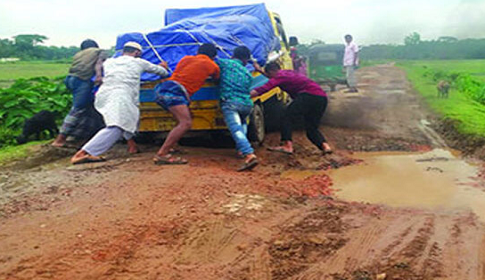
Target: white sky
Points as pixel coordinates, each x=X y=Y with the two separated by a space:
x=67 y=22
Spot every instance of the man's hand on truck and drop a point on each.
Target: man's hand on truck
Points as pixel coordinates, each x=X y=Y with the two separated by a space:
x=257 y=67
x=164 y=64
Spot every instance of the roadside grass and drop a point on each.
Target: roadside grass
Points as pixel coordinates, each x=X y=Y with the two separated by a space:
x=14 y=153
x=11 y=71
x=475 y=67
x=468 y=114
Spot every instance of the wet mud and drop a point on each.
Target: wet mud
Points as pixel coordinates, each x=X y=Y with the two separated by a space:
x=408 y=210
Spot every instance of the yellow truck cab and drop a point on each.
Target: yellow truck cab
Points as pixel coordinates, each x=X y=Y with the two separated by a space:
x=204 y=106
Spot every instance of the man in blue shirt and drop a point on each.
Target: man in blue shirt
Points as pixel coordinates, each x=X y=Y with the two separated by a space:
x=236 y=103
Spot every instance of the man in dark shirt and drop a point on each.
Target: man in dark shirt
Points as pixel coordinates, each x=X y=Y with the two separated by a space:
x=309 y=101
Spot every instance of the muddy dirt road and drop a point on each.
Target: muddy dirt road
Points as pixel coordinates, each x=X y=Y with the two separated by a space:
x=351 y=216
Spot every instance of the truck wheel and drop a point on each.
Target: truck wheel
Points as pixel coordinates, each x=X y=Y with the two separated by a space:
x=256 y=130
x=273 y=112
x=145 y=137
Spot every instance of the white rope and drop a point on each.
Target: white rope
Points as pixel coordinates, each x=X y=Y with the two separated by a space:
x=154 y=50
x=192 y=36
x=209 y=38
x=217 y=46
x=176 y=45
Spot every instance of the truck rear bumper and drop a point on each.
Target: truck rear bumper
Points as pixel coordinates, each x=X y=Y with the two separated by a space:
x=205 y=116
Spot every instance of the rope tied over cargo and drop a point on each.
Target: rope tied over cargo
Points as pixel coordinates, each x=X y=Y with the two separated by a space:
x=155 y=51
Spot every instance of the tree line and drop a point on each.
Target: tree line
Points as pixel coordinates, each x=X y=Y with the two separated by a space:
x=445 y=47
x=27 y=47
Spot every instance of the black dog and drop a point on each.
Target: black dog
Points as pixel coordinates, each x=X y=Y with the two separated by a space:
x=44 y=120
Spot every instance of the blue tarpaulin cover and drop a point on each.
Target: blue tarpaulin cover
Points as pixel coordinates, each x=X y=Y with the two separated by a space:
x=226 y=27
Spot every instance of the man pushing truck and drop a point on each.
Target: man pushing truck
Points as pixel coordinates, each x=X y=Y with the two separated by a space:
x=188 y=101
x=227 y=28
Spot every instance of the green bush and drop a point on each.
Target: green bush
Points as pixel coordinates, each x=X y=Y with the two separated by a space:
x=463 y=82
x=471 y=87
x=7 y=136
x=438 y=75
x=27 y=97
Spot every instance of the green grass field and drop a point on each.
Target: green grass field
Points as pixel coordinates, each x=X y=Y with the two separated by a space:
x=476 y=67
x=29 y=69
x=469 y=114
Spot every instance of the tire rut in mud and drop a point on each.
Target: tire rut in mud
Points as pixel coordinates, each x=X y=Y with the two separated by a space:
x=318 y=235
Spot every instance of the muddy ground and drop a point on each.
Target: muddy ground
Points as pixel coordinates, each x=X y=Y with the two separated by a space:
x=129 y=219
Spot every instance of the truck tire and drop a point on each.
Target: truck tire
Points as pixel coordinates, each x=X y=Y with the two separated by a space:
x=145 y=137
x=256 y=129
x=273 y=112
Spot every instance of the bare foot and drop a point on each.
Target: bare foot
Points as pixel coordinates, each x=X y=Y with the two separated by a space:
x=132 y=147
x=133 y=150
x=326 y=148
x=59 y=142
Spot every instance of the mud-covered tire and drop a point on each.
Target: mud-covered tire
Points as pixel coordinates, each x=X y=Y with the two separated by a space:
x=145 y=137
x=274 y=109
x=256 y=128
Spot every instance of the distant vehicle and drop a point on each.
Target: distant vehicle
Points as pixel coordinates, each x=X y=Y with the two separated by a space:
x=326 y=64
x=227 y=27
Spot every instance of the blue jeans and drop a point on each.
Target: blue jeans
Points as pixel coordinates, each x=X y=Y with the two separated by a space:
x=82 y=96
x=235 y=116
x=82 y=99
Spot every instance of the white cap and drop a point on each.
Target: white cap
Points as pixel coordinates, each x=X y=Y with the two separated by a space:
x=134 y=45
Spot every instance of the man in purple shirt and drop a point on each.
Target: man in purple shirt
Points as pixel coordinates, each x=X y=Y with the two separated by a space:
x=309 y=101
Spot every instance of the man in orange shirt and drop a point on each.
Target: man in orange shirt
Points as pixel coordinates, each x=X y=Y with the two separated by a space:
x=174 y=96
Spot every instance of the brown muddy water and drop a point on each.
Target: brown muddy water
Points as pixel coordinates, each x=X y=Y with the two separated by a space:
x=438 y=179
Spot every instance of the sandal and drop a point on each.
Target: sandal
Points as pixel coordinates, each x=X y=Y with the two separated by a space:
x=88 y=159
x=327 y=152
x=249 y=165
x=168 y=160
x=279 y=150
x=177 y=151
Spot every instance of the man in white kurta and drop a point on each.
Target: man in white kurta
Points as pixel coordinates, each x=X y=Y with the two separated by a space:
x=117 y=101
x=351 y=61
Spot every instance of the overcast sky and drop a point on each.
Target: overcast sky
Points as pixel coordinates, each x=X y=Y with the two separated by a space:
x=67 y=23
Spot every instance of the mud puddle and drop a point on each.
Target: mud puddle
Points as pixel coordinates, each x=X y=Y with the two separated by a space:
x=438 y=179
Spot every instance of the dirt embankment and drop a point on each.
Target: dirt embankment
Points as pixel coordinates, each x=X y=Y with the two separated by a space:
x=473 y=146
x=130 y=219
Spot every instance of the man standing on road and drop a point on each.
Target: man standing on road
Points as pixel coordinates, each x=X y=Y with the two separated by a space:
x=236 y=103
x=86 y=63
x=351 y=61
x=117 y=101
